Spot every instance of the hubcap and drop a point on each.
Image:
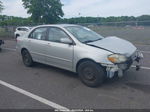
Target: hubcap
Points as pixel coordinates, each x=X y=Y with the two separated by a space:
x=88 y=73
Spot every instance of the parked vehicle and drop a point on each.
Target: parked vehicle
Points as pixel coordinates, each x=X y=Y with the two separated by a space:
x=1 y=42
x=80 y=50
x=20 y=31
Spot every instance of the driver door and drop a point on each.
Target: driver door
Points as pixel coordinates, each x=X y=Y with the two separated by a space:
x=59 y=54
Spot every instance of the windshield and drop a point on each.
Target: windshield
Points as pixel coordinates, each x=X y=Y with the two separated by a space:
x=84 y=34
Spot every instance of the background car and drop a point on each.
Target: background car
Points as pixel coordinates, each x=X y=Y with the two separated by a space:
x=21 y=31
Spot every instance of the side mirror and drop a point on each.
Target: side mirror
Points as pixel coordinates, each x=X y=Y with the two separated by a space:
x=66 y=41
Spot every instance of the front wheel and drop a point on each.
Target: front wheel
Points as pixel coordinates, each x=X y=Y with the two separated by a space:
x=91 y=74
x=27 y=59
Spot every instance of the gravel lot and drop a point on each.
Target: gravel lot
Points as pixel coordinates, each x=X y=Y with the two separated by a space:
x=137 y=35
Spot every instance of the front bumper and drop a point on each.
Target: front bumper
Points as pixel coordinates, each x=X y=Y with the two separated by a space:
x=120 y=68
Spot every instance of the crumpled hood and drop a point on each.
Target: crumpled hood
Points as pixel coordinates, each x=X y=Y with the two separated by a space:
x=115 y=45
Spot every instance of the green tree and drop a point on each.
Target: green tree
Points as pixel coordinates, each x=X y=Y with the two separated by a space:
x=44 y=11
x=1 y=6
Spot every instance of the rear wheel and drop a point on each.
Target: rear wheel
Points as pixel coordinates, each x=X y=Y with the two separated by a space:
x=27 y=59
x=91 y=74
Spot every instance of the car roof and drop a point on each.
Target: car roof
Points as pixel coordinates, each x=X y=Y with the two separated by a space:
x=24 y=27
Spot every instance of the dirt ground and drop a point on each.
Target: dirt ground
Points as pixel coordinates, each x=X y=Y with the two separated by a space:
x=137 y=35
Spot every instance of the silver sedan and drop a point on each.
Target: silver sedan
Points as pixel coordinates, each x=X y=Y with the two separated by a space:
x=80 y=50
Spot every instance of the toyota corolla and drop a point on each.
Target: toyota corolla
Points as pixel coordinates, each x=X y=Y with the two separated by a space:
x=80 y=50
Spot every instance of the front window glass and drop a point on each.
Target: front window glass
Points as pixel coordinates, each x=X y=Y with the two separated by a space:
x=84 y=34
x=56 y=34
x=23 y=29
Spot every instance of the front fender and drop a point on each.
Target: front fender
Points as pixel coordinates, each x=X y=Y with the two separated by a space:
x=91 y=53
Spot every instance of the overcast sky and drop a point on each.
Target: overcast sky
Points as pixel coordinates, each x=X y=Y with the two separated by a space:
x=76 y=8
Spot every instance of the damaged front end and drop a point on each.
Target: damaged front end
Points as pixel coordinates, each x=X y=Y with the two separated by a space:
x=120 y=68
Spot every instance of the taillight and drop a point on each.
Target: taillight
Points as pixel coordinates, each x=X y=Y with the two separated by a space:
x=16 y=40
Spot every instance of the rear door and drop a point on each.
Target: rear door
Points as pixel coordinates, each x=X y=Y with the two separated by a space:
x=37 y=44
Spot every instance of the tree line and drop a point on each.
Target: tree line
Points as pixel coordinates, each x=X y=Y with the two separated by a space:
x=50 y=12
x=41 y=11
x=109 y=20
x=19 y=21
x=1 y=6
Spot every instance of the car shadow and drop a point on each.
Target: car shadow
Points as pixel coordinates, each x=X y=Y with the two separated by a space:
x=56 y=70
x=70 y=74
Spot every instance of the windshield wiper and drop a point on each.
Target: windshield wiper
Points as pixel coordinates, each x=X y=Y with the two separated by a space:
x=88 y=41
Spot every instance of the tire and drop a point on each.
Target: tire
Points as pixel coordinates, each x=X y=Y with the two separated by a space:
x=91 y=74
x=27 y=59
